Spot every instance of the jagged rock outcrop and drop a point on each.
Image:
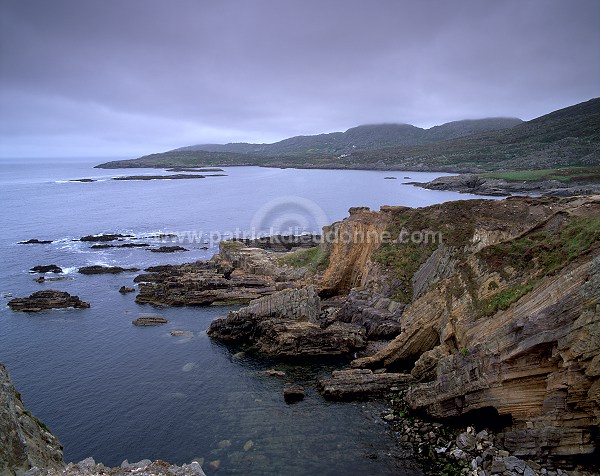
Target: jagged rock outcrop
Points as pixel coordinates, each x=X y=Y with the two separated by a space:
x=237 y=275
x=360 y=383
x=25 y=442
x=287 y=323
x=281 y=242
x=47 y=299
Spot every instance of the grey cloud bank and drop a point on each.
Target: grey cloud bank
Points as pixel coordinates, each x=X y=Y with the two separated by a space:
x=115 y=78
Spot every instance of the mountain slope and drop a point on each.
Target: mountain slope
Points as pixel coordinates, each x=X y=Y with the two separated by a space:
x=365 y=137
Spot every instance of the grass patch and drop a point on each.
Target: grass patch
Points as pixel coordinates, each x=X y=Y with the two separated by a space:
x=566 y=175
x=545 y=249
x=314 y=259
x=503 y=299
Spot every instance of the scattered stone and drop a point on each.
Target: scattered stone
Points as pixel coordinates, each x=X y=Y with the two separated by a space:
x=47 y=299
x=389 y=178
x=149 y=321
x=83 y=180
x=125 y=290
x=293 y=393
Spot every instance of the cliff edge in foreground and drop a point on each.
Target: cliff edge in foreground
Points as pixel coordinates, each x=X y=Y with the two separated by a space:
x=25 y=442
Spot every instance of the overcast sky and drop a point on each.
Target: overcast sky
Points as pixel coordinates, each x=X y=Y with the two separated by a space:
x=130 y=77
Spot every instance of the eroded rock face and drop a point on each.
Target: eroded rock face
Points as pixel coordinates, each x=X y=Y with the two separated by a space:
x=378 y=315
x=287 y=323
x=48 y=299
x=514 y=330
x=24 y=441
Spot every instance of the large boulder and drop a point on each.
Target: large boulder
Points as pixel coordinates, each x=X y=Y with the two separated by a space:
x=25 y=442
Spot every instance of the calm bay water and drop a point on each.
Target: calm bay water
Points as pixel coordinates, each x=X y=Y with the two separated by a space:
x=113 y=391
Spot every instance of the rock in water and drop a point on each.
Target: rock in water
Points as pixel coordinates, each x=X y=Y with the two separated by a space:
x=293 y=393
x=35 y=241
x=48 y=299
x=24 y=440
x=286 y=323
x=104 y=237
x=149 y=321
x=97 y=269
x=168 y=249
x=125 y=290
x=50 y=268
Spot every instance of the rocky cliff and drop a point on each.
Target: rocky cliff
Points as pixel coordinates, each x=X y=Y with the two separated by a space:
x=508 y=324
x=491 y=306
x=25 y=442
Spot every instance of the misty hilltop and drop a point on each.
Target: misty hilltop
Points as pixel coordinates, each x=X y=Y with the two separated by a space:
x=364 y=137
x=567 y=137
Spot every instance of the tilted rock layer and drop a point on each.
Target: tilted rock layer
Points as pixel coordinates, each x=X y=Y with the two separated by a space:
x=514 y=329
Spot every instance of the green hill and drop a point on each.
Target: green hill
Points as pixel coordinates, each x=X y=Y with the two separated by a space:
x=563 y=138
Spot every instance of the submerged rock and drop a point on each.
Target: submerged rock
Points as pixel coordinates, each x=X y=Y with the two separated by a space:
x=149 y=321
x=48 y=299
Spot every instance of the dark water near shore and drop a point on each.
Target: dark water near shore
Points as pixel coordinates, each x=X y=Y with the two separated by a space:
x=112 y=390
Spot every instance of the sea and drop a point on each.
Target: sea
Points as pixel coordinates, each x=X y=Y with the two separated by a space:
x=113 y=391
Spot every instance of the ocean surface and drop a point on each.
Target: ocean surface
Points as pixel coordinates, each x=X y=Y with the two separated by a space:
x=114 y=391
